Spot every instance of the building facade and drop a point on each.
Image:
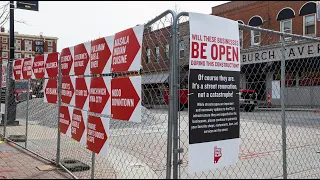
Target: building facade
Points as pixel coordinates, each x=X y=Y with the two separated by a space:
x=261 y=55
x=27 y=45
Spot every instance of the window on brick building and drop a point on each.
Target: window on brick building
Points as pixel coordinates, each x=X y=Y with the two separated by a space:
x=50 y=43
x=167 y=50
x=27 y=55
x=4 y=39
x=255 y=38
x=286 y=27
x=4 y=47
x=157 y=52
x=5 y=55
x=148 y=55
x=17 y=55
x=309 y=24
x=50 y=49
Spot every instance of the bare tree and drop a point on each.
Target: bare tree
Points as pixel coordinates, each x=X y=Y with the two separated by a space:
x=5 y=15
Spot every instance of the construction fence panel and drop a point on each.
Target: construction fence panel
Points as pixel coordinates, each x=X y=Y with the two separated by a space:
x=279 y=132
x=135 y=150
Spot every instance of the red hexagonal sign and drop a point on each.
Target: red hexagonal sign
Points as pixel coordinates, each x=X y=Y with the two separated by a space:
x=82 y=93
x=67 y=90
x=66 y=61
x=51 y=64
x=125 y=98
x=81 y=58
x=64 y=120
x=97 y=135
x=99 y=95
x=50 y=91
x=126 y=53
x=78 y=126
x=27 y=68
x=38 y=67
x=17 y=69
x=100 y=55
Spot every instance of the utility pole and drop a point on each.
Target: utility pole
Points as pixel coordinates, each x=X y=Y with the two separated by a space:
x=11 y=105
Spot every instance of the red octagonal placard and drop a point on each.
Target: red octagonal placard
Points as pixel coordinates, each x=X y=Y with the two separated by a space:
x=27 y=68
x=51 y=65
x=65 y=120
x=100 y=55
x=38 y=67
x=81 y=58
x=82 y=93
x=126 y=53
x=50 y=91
x=66 y=61
x=17 y=69
x=99 y=95
x=67 y=90
x=125 y=98
x=78 y=126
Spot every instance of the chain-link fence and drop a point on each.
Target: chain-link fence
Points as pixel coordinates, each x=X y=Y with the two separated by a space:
x=278 y=127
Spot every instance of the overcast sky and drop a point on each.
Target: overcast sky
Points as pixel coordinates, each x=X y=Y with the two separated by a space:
x=80 y=21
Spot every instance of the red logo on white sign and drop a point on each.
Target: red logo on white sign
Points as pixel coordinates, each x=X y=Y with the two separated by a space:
x=17 y=69
x=97 y=135
x=38 y=67
x=126 y=53
x=100 y=60
x=65 y=120
x=82 y=93
x=51 y=65
x=99 y=101
x=217 y=154
x=81 y=58
x=67 y=90
x=50 y=91
x=78 y=126
x=67 y=61
x=125 y=98
x=27 y=68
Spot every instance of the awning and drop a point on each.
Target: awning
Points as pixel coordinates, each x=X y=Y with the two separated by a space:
x=155 y=78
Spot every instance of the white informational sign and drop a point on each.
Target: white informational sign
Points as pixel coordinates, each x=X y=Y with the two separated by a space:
x=214 y=76
x=275 y=94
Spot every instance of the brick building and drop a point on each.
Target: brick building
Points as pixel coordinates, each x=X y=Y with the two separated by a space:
x=27 y=45
x=260 y=54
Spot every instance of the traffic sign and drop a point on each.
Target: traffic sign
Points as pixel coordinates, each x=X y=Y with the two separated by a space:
x=125 y=98
x=79 y=126
x=81 y=58
x=100 y=58
x=99 y=96
x=67 y=90
x=50 y=91
x=67 y=61
x=126 y=53
x=38 y=67
x=27 y=68
x=82 y=93
x=28 y=5
x=17 y=69
x=97 y=135
x=51 y=64
x=65 y=120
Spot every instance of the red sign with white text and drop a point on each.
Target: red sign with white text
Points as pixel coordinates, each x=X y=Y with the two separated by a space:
x=100 y=58
x=99 y=96
x=67 y=90
x=78 y=126
x=50 y=91
x=125 y=98
x=82 y=93
x=67 y=61
x=126 y=54
x=38 y=67
x=65 y=120
x=27 y=68
x=97 y=135
x=17 y=69
x=81 y=58
x=51 y=65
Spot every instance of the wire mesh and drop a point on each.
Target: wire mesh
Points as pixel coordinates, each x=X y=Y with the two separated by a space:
x=261 y=149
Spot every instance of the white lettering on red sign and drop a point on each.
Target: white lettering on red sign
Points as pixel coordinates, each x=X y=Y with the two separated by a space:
x=119 y=53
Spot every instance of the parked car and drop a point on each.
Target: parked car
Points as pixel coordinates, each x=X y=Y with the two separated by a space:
x=21 y=91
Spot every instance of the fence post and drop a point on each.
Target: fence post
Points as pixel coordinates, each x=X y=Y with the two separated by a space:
x=27 y=114
x=283 y=110
x=93 y=160
x=59 y=103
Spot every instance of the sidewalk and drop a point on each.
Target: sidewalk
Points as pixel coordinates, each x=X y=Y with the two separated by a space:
x=15 y=163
